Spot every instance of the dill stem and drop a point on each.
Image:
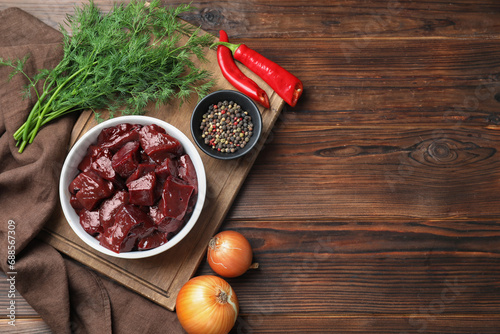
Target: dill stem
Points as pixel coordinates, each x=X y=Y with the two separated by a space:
x=23 y=145
x=31 y=115
x=49 y=102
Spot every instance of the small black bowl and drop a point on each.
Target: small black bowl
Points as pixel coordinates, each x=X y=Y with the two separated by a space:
x=219 y=96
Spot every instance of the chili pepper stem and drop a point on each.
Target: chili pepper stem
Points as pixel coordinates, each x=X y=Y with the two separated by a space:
x=231 y=46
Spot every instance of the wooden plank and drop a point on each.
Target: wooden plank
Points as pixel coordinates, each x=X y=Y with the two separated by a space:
x=351 y=18
x=352 y=323
x=25 y=326
x=318 y=324
x=390 y=173
x=394 y=82
x=370 y=268
x=22 y=308
x=384 y=78
x=52 y=12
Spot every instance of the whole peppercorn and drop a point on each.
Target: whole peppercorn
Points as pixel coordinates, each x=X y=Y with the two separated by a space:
x=226 y=127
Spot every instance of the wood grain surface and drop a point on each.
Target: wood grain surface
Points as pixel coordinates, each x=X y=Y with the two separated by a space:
x=374 y=206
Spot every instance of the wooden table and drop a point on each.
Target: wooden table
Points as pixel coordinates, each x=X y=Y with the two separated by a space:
x=375 y=204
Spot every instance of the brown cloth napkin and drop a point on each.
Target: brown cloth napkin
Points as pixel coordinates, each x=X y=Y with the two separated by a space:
x=69 y=297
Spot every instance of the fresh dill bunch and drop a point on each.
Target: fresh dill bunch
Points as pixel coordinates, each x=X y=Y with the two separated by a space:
x=121 y=60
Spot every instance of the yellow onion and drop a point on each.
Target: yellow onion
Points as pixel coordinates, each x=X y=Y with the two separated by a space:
x=207 y=305
x=229 y=254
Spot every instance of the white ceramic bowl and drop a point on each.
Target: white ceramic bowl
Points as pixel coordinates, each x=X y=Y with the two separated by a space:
x=70 y=170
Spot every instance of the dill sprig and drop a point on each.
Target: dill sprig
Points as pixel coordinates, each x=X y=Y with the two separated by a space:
x=120 y=60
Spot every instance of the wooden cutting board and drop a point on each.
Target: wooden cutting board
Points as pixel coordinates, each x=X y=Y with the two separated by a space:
x=161 y=277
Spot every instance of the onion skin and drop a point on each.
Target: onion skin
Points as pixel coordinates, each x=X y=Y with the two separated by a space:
x=207 y=305
x=229 y=254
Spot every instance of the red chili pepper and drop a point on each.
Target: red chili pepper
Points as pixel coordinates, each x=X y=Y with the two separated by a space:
x=238 y=79
x=284 y=83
